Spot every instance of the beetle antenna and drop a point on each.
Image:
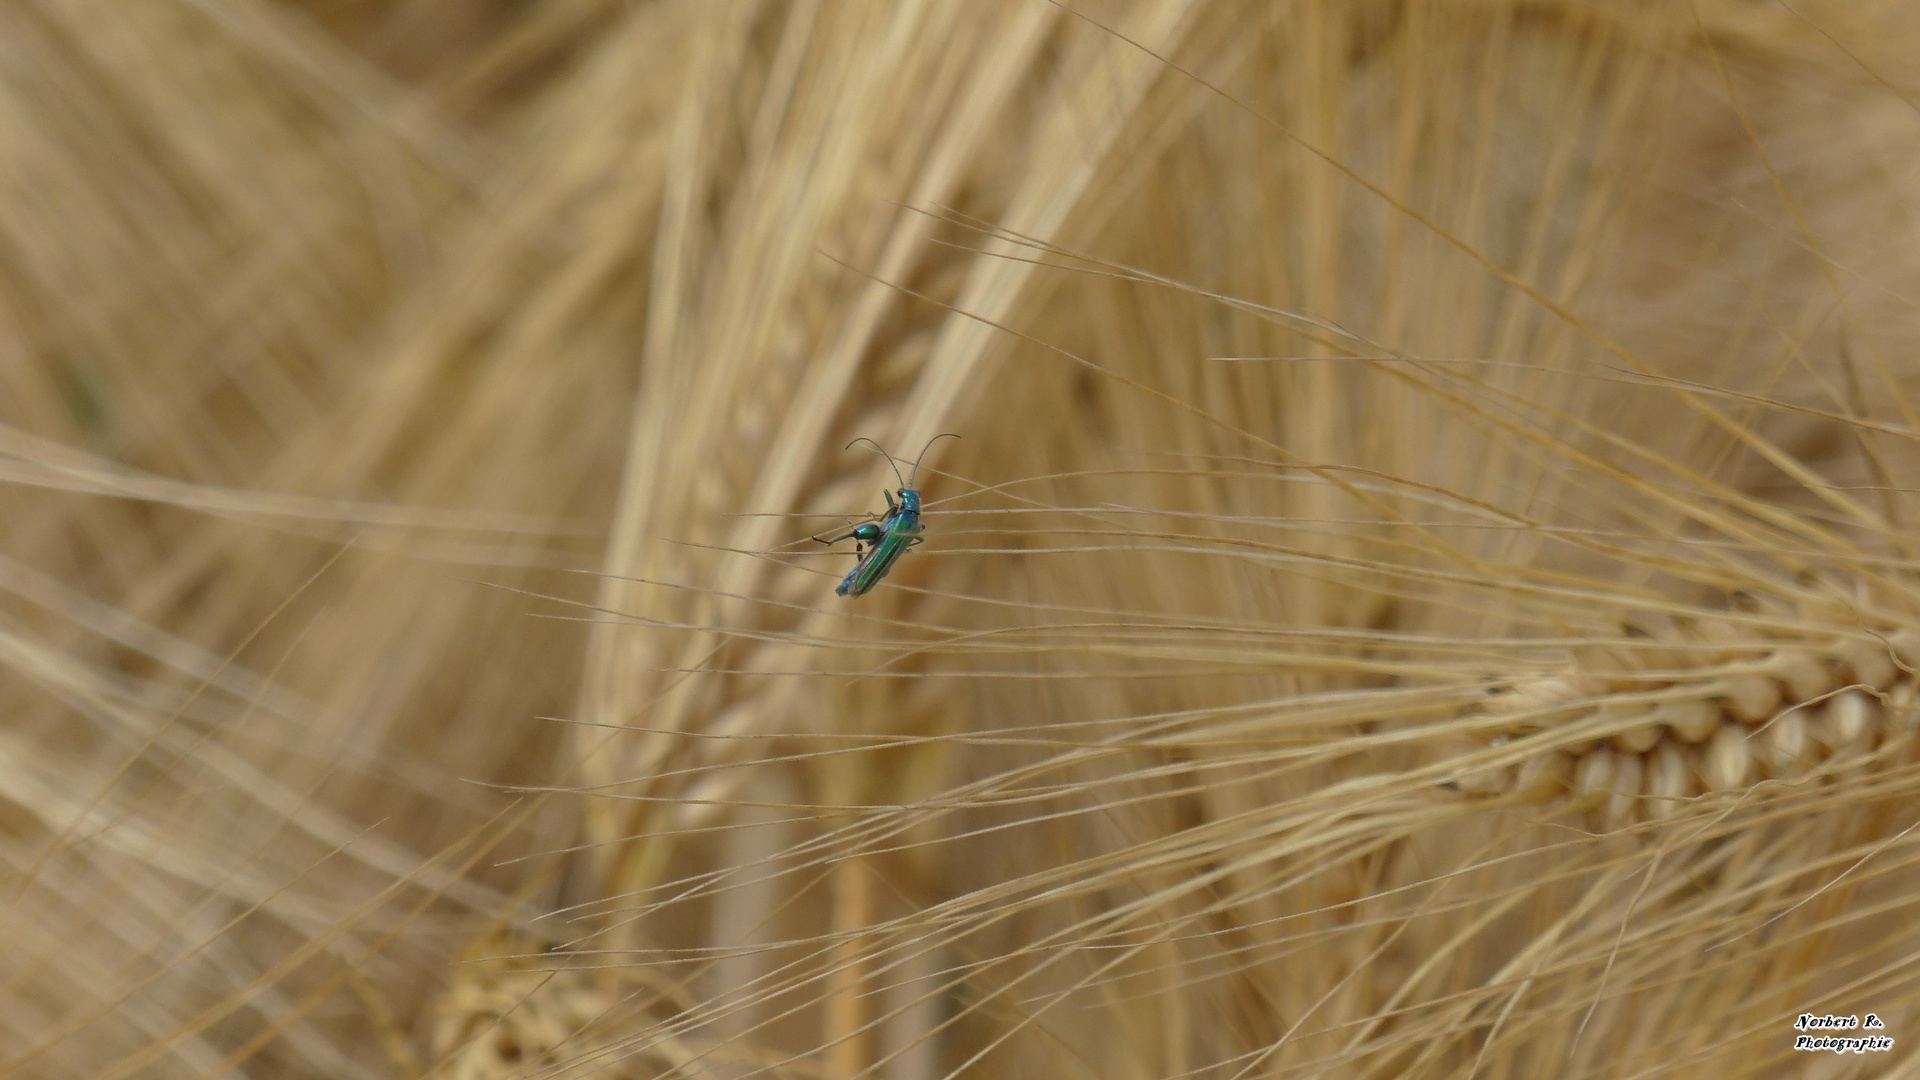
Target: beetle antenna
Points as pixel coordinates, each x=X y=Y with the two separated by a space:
x=883 y=453
x=915 y=474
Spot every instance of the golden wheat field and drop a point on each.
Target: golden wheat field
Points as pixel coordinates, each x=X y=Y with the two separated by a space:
x=1424 y=585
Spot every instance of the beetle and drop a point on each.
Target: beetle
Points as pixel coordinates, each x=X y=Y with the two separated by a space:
x=880 y=543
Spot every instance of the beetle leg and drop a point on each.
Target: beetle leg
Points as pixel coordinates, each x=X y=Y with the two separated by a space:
x=850 y=531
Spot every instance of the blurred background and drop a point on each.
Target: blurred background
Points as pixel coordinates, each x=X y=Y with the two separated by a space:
x=1422 y=588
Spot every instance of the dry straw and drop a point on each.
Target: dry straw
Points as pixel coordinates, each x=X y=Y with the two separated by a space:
x=1423 y=589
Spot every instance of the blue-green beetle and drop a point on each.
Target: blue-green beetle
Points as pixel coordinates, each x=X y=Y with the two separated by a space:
x=879 y=544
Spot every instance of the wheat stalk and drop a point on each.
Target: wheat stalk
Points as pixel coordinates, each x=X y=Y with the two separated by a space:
x=1423 y=589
